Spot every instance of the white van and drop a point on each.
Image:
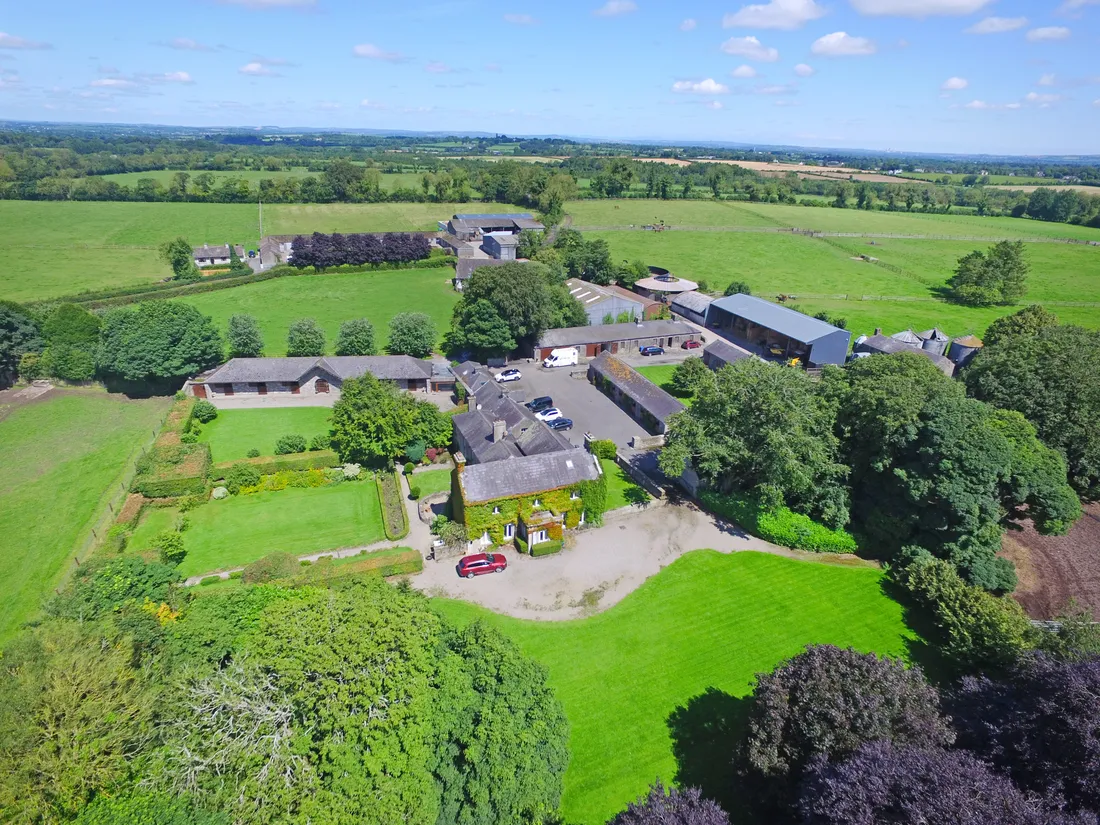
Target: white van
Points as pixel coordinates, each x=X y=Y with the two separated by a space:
x=562 y=358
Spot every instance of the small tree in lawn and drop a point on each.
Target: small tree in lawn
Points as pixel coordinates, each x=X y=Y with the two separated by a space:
x=671 y=806
x=413 y=333
x=737 y=288
x=356 y=338
x=245 y=339
x=996 y=277
x=305 y=338
x=177 y=254
x=689 y=375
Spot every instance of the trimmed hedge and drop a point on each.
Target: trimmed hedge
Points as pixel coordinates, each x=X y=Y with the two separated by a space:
x=521 y=545
x=270 y=464
x=605 y=448
x=172 y=470
x=383 y=563
x=547 y=548
x=780 y=525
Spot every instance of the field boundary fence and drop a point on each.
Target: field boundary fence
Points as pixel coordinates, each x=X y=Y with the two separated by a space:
x=817 y=233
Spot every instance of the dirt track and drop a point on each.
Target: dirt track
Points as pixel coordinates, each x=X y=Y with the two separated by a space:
x=1053 y=569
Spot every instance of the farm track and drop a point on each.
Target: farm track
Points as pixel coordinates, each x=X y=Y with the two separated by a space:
x=778 y=229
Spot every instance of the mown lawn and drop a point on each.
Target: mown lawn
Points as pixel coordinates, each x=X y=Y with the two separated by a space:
x=241 y=529
x=333 y=299
x=234 y=432
x=621 y=489
x=61 y=458
x=706 y=621
x=432 y=481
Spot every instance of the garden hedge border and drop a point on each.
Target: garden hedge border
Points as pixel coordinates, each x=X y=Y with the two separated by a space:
x=271 y=464
x=780 y=525
x=390 y=502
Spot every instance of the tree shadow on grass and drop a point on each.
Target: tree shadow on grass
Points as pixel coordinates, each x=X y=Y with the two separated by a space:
x=938 y=668
x=636 y=495
x=705 y=734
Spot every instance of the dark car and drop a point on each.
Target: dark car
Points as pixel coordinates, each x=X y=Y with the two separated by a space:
x=651 y=350
x=481 y=563
x=560 y=424
x=690 y=345
x=543 y=402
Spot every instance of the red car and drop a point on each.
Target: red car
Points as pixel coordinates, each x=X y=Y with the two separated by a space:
x=480 y=564
x=690 y=345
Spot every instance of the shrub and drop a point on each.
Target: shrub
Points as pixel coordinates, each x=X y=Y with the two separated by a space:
x=778 y=524
x=170 y=548
x=270 y=567
x=204 y=411
x=319 y=442
x=189 y=438
x=241 y=475
x=521 y=545
x=547 y=548
x=415 y=451
x=209 y=580
x=351 y=471
x=236 y=574
x=605 y=448
x=414 y=493
x=253 y=453
x=409 y=467
x=431 y=454
x=290 y=444
x=219 y=493
x=267 y=465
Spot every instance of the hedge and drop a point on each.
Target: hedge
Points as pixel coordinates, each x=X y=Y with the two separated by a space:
x=780 y=525
x=171 y=470
x=547 y=548
x=394 y=518
x=396 y=562
x=270 y=464
x=604 y=448
x=521 y=545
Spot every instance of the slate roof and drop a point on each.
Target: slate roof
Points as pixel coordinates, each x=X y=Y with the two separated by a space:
x=263 y=370
x=780 y=319
x=504 y=240
x=934 y=334
x=524 y=475
x=608 y=333
x=633 y=296
x=466 y=266
x=889 y=345
x=634 y=385
x=693 y=302
x=215 y=251
x=726 y=352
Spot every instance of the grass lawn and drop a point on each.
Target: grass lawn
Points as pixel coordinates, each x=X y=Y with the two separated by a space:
x=61 y=458
x=621 y=489
x=332 y=299
x=662 y=377
x=432 y=481
x=706 y=621
x=234 y=432
x=241 y=529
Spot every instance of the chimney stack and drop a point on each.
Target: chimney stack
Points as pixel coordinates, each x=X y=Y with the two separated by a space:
x=878 y=330
x=500 y=429
x=460 y=462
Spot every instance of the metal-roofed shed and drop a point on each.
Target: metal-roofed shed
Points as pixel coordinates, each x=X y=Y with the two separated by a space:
x=775 y=331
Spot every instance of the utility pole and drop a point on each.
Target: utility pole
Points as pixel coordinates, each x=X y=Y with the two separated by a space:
x=260 y=243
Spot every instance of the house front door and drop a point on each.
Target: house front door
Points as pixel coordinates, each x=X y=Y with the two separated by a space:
x=322 y=386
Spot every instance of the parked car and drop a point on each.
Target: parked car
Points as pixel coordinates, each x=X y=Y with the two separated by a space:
x=565 y=357
x=509 y=375
x=481 y=563
x=651 y=350
x=543 y=402
x=690 y=345
x=560 y=424
x=549 y=414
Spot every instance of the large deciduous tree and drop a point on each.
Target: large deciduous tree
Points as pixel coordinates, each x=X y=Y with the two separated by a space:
x=996 y=277
x=19 y=335
x=671 y=806
x=1050 y=375
x=356 y=338
x=373 y=421
x=245 y=338
x=479 y=328
x=305 y=338
x=412 y=333
x=177 y=253
x=158 y=342
x=72 y=334
x=1027 y=321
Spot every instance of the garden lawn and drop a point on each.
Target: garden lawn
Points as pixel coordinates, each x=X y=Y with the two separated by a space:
x=621 y=489
x=61 y=458
x=707 y=621
x=662 y=377
x=234 y=432
x=333 y=299
x=431 y=481
x=241 y=529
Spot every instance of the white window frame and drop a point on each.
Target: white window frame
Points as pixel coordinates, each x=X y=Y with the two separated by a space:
x=573 y=496
x=509 y=531
x=579 y=523
x=537 y=502
x=496 y=511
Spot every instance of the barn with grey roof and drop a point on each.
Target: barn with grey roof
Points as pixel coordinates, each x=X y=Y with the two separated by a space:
x=776 y=332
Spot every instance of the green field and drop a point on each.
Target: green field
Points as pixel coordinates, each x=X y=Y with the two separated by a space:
x=621 y=489
x=61 y=459
x=332 y=299
x=432 y=481
x=234 y=432
x=241 y=529
x=706 y=621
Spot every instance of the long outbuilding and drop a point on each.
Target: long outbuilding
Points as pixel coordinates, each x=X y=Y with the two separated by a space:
x=614 y=338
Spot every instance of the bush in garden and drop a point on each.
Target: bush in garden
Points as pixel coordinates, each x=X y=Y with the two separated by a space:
x=219 y=493
x=241 y=475
x=671 y=807
x=604 y=448
x=319 y=442
x=409 y=467
x=352 y=471
x=253 y=453
x=270 y=567
x=290 y=444
x=414 y=493
x=189 y=438
x=431 y=454
x=415 y=451
x=204 y=411
x=170 y=548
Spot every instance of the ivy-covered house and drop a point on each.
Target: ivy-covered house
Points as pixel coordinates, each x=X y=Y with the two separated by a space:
x=530 y=500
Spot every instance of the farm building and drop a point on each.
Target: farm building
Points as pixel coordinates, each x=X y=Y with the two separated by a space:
x=722 y=354
x=646 y=403
x=770 y=330
x=456 y=246
x=214 y=255
x=934 y=340
x=662 y=285
x=287 y=382
x=963 y=350
x=472 y=227
x=593 y=340
x=692 y=306
x=465 y=267
x=501 y=246
x=276 y=249
x=889 y=345
x=600 y=302
x=651 y=308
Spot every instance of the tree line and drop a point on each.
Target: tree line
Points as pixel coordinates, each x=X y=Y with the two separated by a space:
x=323 y=251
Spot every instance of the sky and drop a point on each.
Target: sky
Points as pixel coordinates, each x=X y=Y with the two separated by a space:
x=974 y=76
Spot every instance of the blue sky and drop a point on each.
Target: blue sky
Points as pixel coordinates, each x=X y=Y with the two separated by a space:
x=921 y=75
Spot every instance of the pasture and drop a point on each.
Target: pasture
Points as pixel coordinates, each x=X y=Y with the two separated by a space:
x=234 y=432
x=61 y=459
x=708 y=621
x=332 y=299
x=240 y=529
x=390 y=180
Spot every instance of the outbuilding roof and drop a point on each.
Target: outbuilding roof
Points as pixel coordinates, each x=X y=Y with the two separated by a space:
x=780 y=319
x=262 y=370
x=466 y=266
x=609 y=333
x=525 y=475
x=692 y=302
x=726 y=352
x=631 y=383
x=888 y=345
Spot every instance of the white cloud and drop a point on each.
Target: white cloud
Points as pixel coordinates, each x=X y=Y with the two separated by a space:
x=778 y=89
x=1074 y=5
x=744 y=71
x=804 y=70
x=1046 y=33
x=257 y=69
x=1046 y=80
x=919 y=8
x=785 y=102
x=842 y=44
x=327 y=106
x=186 y=44
x=955 y=84
x=1042 y=99
x=10 y=41
x=493 y=67
x=777 y=14
x=520 y=19
x=172 y=77
x=714 y=104
x=267 y=5
x=436 y=67
x=688 y=25
x=710 y=86
x=366 y=103
x=978 y=104
x=997 y=25
x=372 y=52
x=113 y=83
x=613 y=8
x=751 y=48
x=1096 y=102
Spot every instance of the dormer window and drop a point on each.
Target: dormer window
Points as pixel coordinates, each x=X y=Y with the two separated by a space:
x=496 y=511
x=537 y=502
